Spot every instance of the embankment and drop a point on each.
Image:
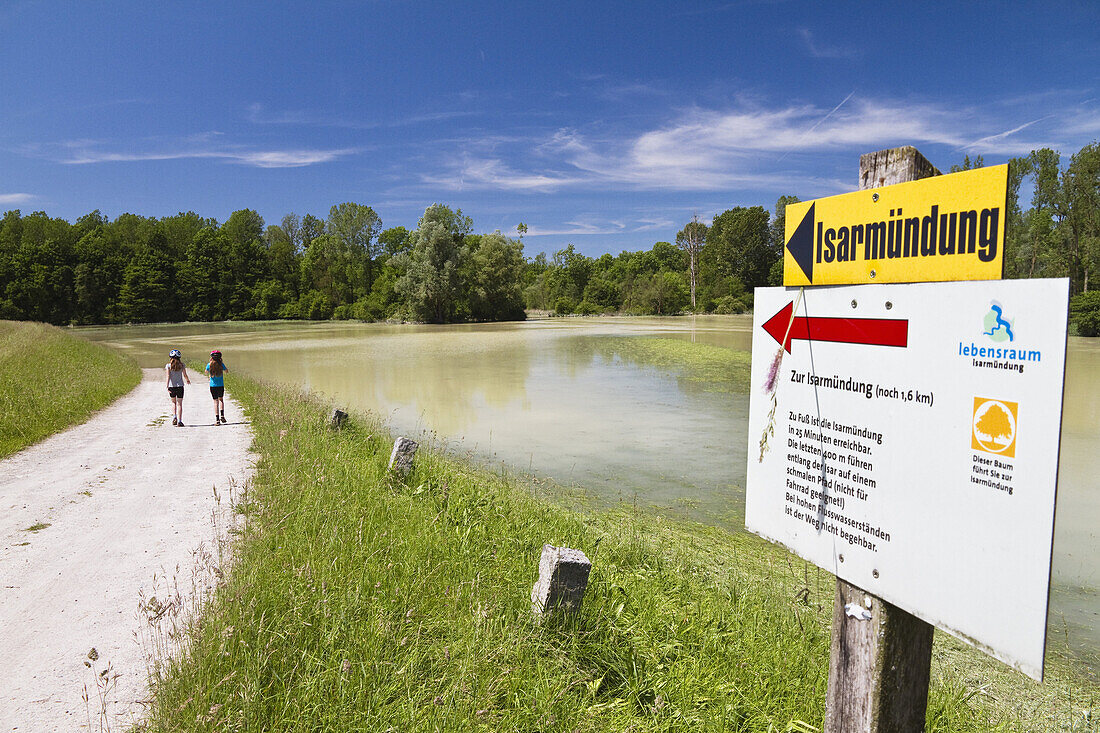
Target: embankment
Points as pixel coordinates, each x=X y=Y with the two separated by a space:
x=51 y=379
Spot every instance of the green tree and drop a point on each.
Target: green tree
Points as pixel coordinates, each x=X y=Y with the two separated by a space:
x=1081 y=186
x=356 y=227
x=243 y=227
x=968 y=164
x=494 y=286
x=777 y=237
x=311 y=228
x=282 y=257
x=199 y=277
x=691 y=239
x=147 y=285
x=430 y=286
x=394 y=240
x=738 y=247
x=663 y=293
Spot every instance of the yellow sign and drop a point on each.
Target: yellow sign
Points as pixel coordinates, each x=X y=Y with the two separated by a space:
x=942 y=228
x=994 y=426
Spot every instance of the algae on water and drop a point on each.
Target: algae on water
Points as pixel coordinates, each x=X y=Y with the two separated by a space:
x=703 y=366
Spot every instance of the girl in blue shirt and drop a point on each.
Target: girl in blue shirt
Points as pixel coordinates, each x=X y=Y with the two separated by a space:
x=216 y=368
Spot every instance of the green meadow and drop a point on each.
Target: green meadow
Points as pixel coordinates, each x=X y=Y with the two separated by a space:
x=51 y=379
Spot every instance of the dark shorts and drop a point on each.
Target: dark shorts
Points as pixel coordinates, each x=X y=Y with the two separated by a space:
x=175 y=392
x=217 y=392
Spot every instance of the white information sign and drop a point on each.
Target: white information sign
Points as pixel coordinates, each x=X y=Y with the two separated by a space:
x=908 y=443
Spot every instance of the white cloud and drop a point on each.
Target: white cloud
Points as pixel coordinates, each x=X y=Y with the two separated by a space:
x=577 y=228
x=492 y=173
x=9 y=199
x=289 y=158
x=85 y=153
x=648 y=225
x=741 y=148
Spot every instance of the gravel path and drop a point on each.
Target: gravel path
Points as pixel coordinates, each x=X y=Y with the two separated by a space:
x=90 y=520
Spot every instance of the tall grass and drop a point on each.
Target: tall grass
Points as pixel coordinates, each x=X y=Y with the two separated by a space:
x=358 y=602
x=50 y=380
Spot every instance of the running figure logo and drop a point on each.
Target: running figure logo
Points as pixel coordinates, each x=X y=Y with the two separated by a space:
x=994 y=426
x=995 y=326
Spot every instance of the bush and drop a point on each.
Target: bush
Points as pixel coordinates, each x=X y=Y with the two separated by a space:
x=588 y=308
x=1084 y=313
x=563 y=306
x=729 y=304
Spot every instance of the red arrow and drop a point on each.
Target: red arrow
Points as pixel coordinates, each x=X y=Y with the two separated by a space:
x=870 y=331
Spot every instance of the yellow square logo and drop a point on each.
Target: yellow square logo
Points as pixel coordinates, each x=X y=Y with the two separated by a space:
x=993 y=428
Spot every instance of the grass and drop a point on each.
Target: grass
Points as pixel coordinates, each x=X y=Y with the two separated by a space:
x=51 y=380
x=37 y=527
x=358 y=602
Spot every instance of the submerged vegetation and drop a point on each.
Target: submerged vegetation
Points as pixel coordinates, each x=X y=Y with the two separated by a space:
x=358 y=601
x=710 y=368
x=50 y=379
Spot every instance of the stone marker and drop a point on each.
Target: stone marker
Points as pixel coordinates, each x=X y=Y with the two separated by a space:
x=337 y=420
x=563 y=576
x=401 y=459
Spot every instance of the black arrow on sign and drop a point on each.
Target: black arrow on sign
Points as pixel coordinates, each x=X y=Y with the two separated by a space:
x=801 y=244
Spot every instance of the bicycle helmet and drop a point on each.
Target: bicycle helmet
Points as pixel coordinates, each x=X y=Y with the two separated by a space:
x=215 y=353
x=175 y=354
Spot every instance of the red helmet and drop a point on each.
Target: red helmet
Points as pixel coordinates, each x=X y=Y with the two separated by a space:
x=215 y=353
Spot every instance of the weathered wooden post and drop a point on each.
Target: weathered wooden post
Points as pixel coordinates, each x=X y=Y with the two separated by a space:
x=337 y=419
x=401 y=459
x=881 y=656
x=563 y=577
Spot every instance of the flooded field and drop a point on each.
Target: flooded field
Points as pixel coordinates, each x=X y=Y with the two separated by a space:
x=599 y=403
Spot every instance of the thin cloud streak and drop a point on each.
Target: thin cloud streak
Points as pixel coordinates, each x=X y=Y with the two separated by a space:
x=997 y=141
x=254 y=158
x=257 y=114
x=492 y=173
x=8 y=199
x=820 y=51
x=575 y=228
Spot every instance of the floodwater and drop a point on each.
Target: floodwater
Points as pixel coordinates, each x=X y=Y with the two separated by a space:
x=566 y=399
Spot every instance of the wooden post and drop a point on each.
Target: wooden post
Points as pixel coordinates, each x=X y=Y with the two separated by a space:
x=881 y=656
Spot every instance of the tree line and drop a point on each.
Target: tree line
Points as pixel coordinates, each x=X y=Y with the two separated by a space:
x=346 y=266
x=189 y=268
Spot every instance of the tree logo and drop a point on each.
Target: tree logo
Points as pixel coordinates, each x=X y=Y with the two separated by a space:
x=994 y=427
x=995 y=326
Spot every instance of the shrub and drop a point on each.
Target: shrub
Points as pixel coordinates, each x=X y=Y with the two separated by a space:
x=1084 y=312
x=729 y=304
x=563 y=306
x=588 y=308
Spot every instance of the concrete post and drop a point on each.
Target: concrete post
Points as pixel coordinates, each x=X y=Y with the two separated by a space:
x=336 y=420
x=401 y=459
x=563 y=577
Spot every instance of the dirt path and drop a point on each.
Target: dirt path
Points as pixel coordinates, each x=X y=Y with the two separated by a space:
x=125 y=497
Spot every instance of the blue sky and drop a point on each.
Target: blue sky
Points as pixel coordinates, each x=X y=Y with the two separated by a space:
x=601 y=124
